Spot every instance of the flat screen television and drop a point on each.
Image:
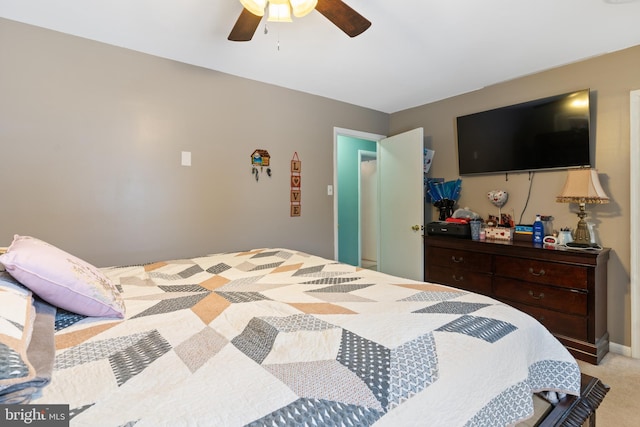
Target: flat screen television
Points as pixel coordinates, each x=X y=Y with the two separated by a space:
x=548 y=133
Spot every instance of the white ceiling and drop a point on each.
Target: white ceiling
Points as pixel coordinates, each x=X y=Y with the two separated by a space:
x=415 y=52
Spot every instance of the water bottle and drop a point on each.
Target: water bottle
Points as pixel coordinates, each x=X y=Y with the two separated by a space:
x=538 y=230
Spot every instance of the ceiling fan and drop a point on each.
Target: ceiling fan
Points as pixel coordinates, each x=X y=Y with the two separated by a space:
x=336 y=11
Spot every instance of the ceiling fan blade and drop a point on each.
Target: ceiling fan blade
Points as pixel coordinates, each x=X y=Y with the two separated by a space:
x=245 y=27
x=343 y=16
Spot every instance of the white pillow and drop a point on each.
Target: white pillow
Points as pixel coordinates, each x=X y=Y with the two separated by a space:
x=62 y=279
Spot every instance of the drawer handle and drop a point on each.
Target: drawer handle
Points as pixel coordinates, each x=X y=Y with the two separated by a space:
x=457 y=260
x=539 y=273
x=457 y=279
x=534 y=296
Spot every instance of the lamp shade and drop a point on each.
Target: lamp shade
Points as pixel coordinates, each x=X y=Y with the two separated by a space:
x=279 y=11
x=255 y=6
x=582 y=186
x=303 y=7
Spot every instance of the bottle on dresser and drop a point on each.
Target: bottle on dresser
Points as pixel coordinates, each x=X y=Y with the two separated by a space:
x=538 y=230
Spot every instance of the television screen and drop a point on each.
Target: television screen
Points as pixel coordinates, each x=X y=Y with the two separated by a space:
x=548 y=133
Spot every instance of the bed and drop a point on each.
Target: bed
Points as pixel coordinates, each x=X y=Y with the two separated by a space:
x=267 y=337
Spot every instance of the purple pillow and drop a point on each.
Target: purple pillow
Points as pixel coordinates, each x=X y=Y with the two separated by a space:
x=62 y=279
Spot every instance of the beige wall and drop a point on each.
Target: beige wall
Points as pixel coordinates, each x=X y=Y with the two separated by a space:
x=92 y=136
x=611 y=78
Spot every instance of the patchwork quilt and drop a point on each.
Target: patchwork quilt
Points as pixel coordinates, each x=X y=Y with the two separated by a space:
x=276 y=337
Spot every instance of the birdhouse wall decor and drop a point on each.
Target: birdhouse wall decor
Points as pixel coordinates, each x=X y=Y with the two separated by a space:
x=260 y=159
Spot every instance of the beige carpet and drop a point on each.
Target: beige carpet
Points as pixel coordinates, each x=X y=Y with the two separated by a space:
x=621 y=406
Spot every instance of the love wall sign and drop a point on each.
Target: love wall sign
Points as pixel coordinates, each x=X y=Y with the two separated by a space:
x=296 y=183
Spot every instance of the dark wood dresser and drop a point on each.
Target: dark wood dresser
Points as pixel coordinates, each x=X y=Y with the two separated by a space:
x=566 y=290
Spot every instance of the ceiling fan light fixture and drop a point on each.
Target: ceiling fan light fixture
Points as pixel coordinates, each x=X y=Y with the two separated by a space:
x=336 y=11
x=279 y=11
x=255 y=6
x=302 y=7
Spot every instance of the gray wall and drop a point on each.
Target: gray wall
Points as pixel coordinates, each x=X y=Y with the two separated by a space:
x=611 y=77
x=92 y=136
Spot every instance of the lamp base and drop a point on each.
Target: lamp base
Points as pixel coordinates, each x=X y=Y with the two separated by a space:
x=581 y=235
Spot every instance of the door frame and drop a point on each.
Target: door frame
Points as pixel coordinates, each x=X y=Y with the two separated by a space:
x=337 y=132
x=634 y=177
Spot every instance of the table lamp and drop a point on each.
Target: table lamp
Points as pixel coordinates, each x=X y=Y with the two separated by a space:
x=582 y=187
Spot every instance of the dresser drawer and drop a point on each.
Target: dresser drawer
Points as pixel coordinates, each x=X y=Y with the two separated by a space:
x=460 y=278
x=558 y=323
x=550 y=273
x=551 y=297
x=454 y=258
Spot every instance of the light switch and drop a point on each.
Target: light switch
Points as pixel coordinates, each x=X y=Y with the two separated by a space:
x=186 y=158
x=329 y=190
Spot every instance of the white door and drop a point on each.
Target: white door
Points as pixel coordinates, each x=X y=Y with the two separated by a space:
x=401 y=213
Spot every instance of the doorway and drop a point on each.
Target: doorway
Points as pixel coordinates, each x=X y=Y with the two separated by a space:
x=368 y=209
x=400 y=200
x=351 y=149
